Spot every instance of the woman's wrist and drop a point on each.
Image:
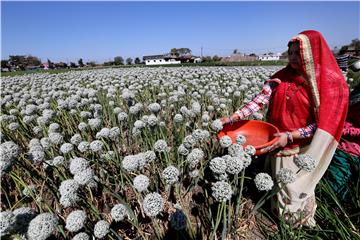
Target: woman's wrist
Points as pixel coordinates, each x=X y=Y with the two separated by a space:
x=290 y=137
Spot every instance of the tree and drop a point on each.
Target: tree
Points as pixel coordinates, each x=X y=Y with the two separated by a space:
x=5 y=64
x=129 y=61
x=184 y=51
x=51 y=65
x=252 y=55
x=180 y=51
x=118 y=60
x=235 y=51
x=80 y=62
x=174 y=52
x=32 y=61
x=92 y=63
x=206 y=59
x=137 y=60
x=216 y=58
x=73 y=65
x=18 y=61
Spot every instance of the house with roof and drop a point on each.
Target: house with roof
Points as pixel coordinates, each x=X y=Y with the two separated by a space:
x=168 y=58
x=269 y=57
x=160 y=59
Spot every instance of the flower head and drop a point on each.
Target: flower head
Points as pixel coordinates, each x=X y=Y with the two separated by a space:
x=263 y=182
x=305 y=162
x=42 y=226
x=285 y=175
x=170 y=175
x=153 y=204
x=141 y=182
x=221 y=191
x=75 y=220
x=119 y=212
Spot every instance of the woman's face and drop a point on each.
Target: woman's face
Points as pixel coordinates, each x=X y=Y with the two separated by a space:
x=294 y=56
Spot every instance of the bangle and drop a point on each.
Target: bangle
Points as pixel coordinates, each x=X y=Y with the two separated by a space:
x=289 y=137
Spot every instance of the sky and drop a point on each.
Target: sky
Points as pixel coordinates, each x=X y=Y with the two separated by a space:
x=99 y=31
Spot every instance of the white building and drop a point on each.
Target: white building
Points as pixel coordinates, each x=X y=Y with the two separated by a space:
x=269 y=57
x=160 y=60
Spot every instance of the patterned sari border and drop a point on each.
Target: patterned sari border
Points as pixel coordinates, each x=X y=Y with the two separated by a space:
x=305 y=48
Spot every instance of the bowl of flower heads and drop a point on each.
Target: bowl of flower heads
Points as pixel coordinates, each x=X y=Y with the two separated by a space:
x=256 y=133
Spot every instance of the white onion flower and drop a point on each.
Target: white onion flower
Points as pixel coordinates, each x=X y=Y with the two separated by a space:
x=170 y=175
x=249 y=149
x=7 y=223
x=85 y=176
x=150 y=156
x=153 y=204
x=101 y=229
x=154 y=107
x=122 y=116
x=94 y=123
x=217 y=125
x=161 y=146
x=83 y=146
x=285 y=175
x=189 y=141
x=182 y=150
x=66 y=148
x=76 y=139
x=56 y=138
x=305 y=162
x=225 y=141
x=103 y=133
x=119 y=212
x=96 y=145
x=130 y=163
x=218 y=165
x=178 y=118
x=194 y=157
x=141 y=182
x=82 y=126
x=42 y=226
x=240 y=139
x=234 y=165
x=75 y=220
x=221 y=191
x=81 y=236
x=235 y=150
x=263 y=182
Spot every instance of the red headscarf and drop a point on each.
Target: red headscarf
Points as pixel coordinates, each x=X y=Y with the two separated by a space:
x=322 y=99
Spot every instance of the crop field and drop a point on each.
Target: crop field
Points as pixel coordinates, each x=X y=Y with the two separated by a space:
x=132 y=153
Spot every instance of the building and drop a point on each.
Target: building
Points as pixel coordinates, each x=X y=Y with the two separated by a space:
x=269 y=57
x=160 y=59
x=165 y=59
x=238 y=57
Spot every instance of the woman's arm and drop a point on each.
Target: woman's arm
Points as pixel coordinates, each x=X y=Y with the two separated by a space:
x=284 y=138
x=261 y=100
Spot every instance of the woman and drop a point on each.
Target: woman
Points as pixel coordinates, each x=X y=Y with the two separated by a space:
x=344 y=167
x=308 y=102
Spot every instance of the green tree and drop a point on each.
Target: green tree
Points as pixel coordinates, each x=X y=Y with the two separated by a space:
x=137 y=60
x=216 y=58
x=118 y=60
x=73 y=65
x=32 y=61
x=129 y=61
x=5 y=64
x=174 y=52
x=51 y=65
x=80 y=62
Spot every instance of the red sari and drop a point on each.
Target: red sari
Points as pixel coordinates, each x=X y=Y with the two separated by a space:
x=297 y=102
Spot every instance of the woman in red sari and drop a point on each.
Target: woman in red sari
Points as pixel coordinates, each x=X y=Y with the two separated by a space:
x=308 y=102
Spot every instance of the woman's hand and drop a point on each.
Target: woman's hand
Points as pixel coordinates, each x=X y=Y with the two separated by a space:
x=232 y=119
x=281 y=142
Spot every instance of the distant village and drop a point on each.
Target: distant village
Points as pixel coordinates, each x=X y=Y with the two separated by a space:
x=175 y=56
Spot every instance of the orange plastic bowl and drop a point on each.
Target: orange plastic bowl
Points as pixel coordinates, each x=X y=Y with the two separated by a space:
x=259 y=134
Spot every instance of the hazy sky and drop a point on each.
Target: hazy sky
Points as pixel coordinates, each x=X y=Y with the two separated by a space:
x=66 y=31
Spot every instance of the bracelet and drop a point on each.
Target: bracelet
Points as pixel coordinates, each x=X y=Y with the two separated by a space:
x=289 y=137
